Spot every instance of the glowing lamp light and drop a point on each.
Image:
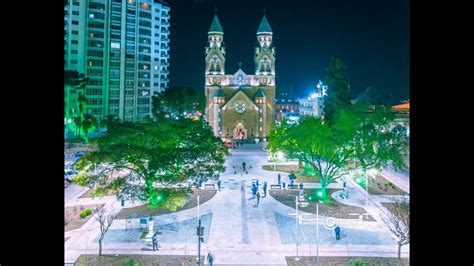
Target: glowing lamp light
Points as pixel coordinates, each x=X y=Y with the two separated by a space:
x=69 y=120
x=314 y=95
x=358 y=180
x=159 y=198
x=320 y=194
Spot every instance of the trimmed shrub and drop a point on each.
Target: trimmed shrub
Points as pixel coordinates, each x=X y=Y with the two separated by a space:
x=88 y=211
x=82 y=214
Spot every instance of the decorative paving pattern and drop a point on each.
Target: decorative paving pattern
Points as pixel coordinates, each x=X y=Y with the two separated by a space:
x=245 y=229
x=175 y=232
x=307 y=234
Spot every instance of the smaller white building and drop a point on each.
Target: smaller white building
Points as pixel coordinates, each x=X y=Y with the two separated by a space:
x=313 y=105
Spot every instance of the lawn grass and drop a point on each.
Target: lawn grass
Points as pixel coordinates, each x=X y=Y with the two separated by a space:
x=345 y=261
x=88 y=194
x=381 y=186
x=330 y=207
x=136 y=259
x=302 y=175
x=145 y=211
x=72 y=220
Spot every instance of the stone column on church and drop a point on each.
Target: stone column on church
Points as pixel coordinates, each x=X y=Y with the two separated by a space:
x=215 y=119
x=264 y=118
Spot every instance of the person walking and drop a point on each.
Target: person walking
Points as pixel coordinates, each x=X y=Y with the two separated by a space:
x=264 y=189
x=254 y=190
x=279 y=179
x=243 y=166
x=210 y=258
x=258 y=198
x=154 y=241
x=338 y=231
x=219 y=184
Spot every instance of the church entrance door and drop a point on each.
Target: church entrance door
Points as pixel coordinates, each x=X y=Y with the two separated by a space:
x=240 y=132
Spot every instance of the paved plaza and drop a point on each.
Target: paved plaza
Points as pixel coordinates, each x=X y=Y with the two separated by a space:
x=235 y=229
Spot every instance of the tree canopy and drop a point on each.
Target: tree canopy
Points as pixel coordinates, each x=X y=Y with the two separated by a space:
x=375 y=97
x=372 y=136
x=315 y=143
x=337 y=81
x=357 y=139
x=138 y=161
x=174 y=102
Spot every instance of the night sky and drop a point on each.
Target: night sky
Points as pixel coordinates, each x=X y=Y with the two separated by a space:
x=370 y=36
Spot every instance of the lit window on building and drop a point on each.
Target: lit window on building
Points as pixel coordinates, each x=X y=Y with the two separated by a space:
x=115 y=45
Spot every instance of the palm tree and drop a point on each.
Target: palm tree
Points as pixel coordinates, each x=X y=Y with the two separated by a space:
x=74 y=80
x=78 y=125
x=88 y=122
x=81 y=99
x=110 y=122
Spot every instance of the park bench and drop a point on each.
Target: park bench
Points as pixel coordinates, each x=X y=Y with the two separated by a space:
x=292 y=186
x=275 y=186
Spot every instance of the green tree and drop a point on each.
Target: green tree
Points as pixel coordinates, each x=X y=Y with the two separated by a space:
x=315 y=143
x=138 y=161
x=337 y=81
x=374 y=97
x=110 y=122
x=374 y=142
x=77 y=125
x=74 y=91
x=175 y=101
x=88 y=123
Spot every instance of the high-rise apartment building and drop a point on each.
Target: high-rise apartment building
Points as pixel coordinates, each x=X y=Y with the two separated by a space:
x=122 y=46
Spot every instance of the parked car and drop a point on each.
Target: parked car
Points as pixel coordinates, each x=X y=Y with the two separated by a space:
x=69 y=174
x=230 y=145
x=78 y=154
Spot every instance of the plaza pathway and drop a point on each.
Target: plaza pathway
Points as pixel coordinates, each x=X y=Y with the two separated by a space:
x=236 y=230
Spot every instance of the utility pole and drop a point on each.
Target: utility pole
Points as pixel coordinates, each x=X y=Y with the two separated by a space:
x=297 y=227
x=200 y=233
x=317 y=233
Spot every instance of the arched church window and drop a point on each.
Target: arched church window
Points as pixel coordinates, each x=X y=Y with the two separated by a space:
x=265 y=65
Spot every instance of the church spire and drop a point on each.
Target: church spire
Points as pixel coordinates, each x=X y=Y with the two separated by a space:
x=264 y=27
x=216 y=27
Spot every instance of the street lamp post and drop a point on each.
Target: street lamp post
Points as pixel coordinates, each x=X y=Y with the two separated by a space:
x=200 y=233
x=366 y=189
x=297 y=227
x=317 y=233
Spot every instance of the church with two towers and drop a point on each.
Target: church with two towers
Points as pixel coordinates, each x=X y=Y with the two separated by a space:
x=240 y=106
